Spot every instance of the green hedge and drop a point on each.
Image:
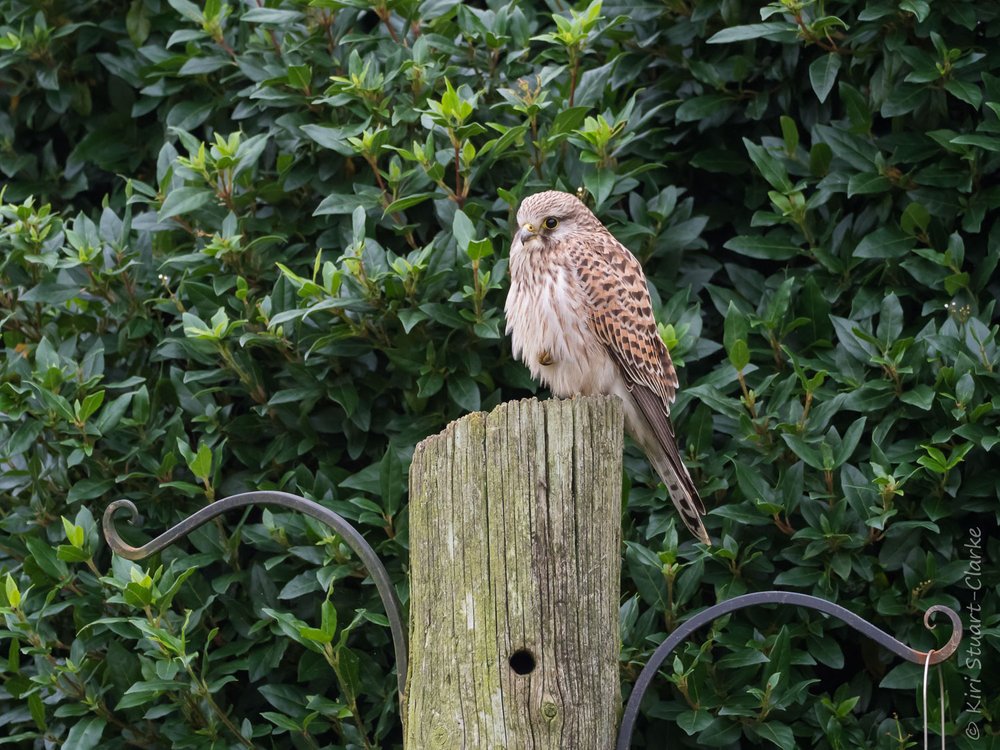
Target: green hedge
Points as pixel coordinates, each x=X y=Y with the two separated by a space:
x=263 y=245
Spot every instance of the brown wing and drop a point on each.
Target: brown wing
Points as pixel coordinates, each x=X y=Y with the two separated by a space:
x=621 y=314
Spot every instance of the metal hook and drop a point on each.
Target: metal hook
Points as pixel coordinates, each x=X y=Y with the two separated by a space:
x=353 y=538
x=943 y=653
x=864 y=627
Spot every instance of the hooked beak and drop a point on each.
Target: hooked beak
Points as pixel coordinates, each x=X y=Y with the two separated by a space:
x=526 y=233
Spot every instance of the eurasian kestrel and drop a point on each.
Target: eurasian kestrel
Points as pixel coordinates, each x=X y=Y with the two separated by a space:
x=580 y=317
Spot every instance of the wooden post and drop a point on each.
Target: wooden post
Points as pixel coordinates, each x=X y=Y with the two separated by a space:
x=514 y=579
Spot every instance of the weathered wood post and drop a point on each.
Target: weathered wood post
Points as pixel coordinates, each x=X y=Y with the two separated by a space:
x=514 y=579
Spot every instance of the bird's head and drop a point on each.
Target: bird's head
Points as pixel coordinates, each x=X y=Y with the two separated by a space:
x=552 y=215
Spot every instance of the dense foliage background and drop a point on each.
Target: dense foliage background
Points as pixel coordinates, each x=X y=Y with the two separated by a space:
x=263 y=244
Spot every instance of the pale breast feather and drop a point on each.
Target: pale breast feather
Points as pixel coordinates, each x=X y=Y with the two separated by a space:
x=542 y=316
x=547 y=321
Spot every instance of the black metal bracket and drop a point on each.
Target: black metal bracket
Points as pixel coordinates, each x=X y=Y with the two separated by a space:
x=353 y=538
x=704 y=617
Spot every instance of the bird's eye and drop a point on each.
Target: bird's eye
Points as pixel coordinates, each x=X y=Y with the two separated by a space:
x=551 y=222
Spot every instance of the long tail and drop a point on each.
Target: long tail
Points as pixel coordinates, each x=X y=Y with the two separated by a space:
x=682 y=492
x=649 y=424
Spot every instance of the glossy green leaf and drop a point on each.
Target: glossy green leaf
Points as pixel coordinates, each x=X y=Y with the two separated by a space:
x=823 y=74
x=779 y=31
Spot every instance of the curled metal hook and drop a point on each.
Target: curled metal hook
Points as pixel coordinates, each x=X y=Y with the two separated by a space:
x=941 y=654
x=353 y=538
x=864 y=627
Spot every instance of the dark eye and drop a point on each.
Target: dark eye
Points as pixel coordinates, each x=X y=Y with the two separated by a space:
x=551 y=222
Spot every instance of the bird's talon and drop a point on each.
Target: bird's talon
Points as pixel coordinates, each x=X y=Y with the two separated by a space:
x=545 y=358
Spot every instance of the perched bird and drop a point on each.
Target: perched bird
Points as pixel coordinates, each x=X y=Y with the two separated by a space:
x=580 y=318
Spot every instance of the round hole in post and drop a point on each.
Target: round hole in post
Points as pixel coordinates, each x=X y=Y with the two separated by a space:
x=522 y=661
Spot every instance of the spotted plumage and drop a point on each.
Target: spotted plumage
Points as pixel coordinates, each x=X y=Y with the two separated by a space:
x=580 y=318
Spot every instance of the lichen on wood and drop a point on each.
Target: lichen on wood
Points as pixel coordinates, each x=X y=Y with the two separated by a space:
x=515 y=552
